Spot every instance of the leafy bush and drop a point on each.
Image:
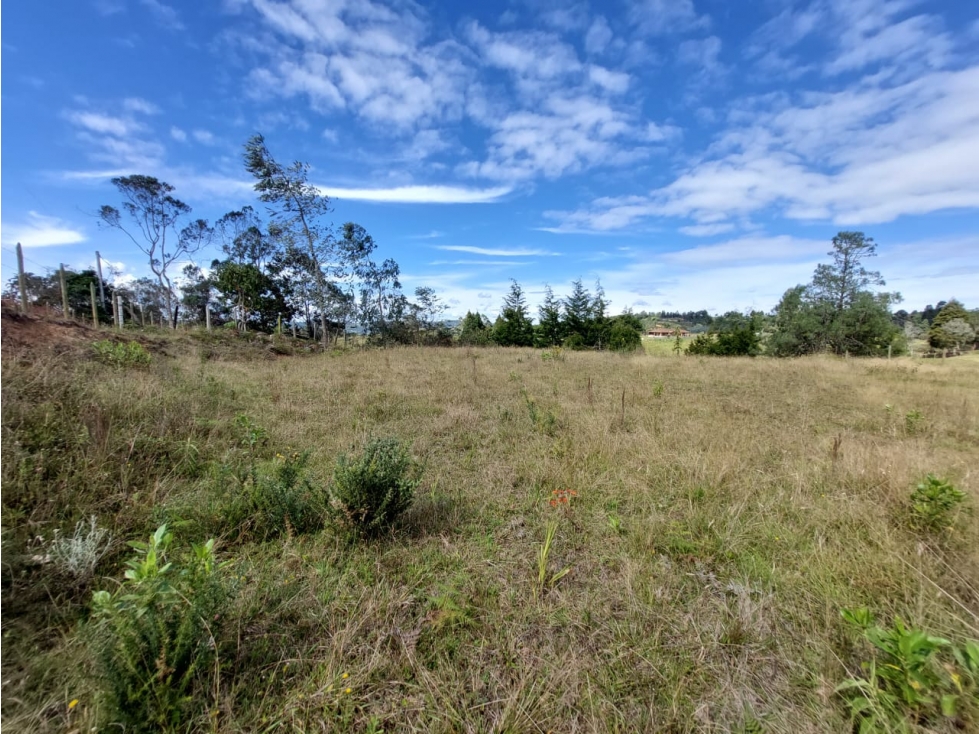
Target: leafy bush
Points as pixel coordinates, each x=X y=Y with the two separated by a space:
x=278 y=500
x=155 y=638
x=77 y=555
x=907 y=677
x=121 y=354
x=933 y=502
x=371 y=491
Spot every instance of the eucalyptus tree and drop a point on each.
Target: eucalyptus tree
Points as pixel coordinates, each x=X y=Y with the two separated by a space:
x=150 y=217
x=299 y=212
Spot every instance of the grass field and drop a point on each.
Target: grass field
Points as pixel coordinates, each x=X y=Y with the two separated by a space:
x=725 y=511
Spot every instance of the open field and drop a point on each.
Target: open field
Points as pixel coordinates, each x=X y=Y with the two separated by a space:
x=713 y=539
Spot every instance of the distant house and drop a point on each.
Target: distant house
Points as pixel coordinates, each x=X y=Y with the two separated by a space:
x=661 y=333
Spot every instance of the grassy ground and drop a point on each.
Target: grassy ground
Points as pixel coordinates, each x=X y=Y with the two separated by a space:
x=714 y=536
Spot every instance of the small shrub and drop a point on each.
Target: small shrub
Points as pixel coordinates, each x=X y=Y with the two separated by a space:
x=155 y=637
x=78 y=555
x=121 y=354
x=277 y=500
x=933 y=502
x=912 y=421
x=371 y=491
x=907 y=679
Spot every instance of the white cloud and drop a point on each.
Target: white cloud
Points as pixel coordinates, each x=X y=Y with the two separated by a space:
x=364 y=57
x=865 y=155
x=205 y=137
x=747 y=249
x=419 y=194
x=140 y=105
x=499 y=251
x=660 y=17
x=598 y=36
x=118 y=140
x=702 y=53
x=177 y=134
x=860 y=33
x=101 y=123
x=164 y=14
x=41 y=231
x=706 y=230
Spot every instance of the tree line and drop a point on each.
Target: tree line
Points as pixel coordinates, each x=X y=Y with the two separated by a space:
x=297 y=268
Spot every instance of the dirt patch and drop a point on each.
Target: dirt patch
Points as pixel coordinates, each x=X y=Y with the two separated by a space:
x=42 y=331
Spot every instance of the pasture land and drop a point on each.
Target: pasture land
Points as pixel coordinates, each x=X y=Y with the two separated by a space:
x=724 y=512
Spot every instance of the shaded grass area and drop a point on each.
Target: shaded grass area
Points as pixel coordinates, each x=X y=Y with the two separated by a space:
x=714 y=535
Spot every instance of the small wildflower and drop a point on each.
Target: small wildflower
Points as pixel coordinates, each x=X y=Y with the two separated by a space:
x=345 y=676
x=349 y=690
x=72 y=703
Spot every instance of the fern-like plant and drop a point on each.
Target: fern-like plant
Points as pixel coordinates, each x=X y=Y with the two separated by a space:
x=155 y=637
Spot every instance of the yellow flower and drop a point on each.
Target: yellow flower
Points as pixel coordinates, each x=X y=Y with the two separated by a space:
x=345 y=676
x=72 y=704
x=349 y=690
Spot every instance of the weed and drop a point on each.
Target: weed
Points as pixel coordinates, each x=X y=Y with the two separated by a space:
x=277 y=500
x=78 y=555
x=544 y=421
x=543 y=554
x=121 y=354
x=615 y=523
x=370 y=492
x=912 y=421
x=933 y=502
x=906 y=681
x=155 y=637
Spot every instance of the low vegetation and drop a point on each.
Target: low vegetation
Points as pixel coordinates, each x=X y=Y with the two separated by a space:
x=453 y=539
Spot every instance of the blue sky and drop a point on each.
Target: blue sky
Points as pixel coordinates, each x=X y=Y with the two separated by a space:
x=687 y=153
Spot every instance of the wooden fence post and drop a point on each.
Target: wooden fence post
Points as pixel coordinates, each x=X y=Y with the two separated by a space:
x=21 y=279
x=98 y=267
x=95 y=308
x=64 y=290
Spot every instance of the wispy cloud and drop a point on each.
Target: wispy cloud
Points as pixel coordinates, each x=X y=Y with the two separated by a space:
x=420 y=194
x=41 y=231
x=499 y=251
x=859 y=156
x=165 y=14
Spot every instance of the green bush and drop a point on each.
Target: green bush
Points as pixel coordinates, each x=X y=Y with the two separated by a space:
x=121 y=354
x=155 y=637
x=933 y=502
x=371 y=491
x=277 y=498
x=912 y=676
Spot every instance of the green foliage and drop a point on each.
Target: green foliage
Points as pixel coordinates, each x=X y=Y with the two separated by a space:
x=950 y=328
x=933 y=502
x=623 y=333
x=121 y=354
x=549 y=330
x=371 y=491
x=733 y=334
x=544 y=420
x=155 y=638
x=474 y=330
x=513 y=327
x=912 y=421
x=277 y=499
x=907 y=680
x=837 y=311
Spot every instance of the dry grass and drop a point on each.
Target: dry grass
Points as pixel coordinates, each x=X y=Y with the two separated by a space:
x=715 y=535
